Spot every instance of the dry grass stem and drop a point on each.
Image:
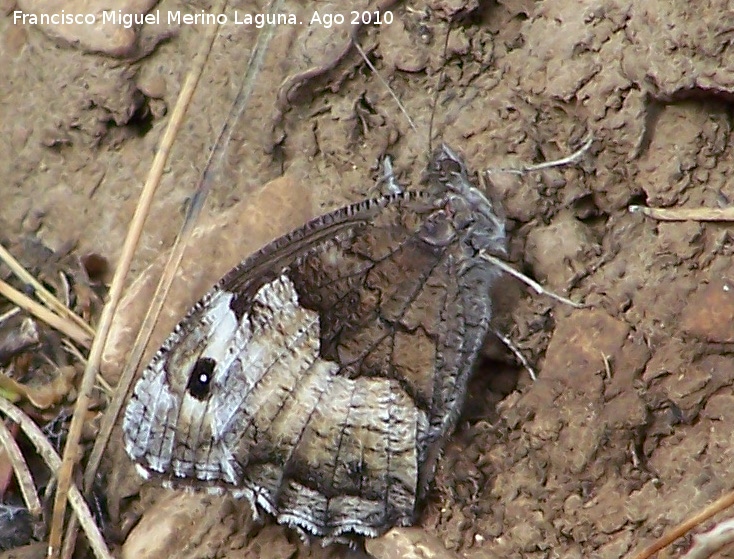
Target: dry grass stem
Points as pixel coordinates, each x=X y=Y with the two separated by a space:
x=80 y=335
x=21 y=470
x=686 y=526
x=44 y=294
x=52 y=460
x=568 y=160
x=685 y=214
x=708 y=543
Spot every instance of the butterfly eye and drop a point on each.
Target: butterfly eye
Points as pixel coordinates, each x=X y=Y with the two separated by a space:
x=200 y=379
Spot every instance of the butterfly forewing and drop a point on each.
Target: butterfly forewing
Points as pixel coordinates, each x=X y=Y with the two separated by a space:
x=320 y=377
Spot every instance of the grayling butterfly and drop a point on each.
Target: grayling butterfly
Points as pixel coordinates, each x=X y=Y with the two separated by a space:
x=320 y=377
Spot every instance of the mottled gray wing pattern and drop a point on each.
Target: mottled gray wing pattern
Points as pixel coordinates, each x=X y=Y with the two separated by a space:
x=320 y=377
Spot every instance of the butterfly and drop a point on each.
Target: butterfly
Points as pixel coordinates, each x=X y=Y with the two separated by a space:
x=320 y=378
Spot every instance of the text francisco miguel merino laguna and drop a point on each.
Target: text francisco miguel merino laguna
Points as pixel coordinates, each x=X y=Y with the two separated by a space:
x=127 y=20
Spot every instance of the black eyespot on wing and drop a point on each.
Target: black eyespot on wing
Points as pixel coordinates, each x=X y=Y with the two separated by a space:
x=201 y=377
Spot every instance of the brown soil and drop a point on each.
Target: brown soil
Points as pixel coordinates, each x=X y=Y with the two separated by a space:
x=625 y=433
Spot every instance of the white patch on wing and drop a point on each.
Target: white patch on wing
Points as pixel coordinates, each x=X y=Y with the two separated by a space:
x=278 y=294
x=286 y=327
x=222 y=327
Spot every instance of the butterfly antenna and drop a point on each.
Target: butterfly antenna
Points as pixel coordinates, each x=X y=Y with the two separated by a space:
x=384 y=83
x=434 y=103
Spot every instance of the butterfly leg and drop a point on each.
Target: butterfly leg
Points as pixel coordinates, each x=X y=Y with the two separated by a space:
x=509 y=344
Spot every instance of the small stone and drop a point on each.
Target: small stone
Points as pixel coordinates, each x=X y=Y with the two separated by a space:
x=708 y=314
x=408 y=543
x=159 y=532
x=581 y=343
x=550 y=249
x=104 y=35
x=718 y=407
x=152 y=85
x=15 y=39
